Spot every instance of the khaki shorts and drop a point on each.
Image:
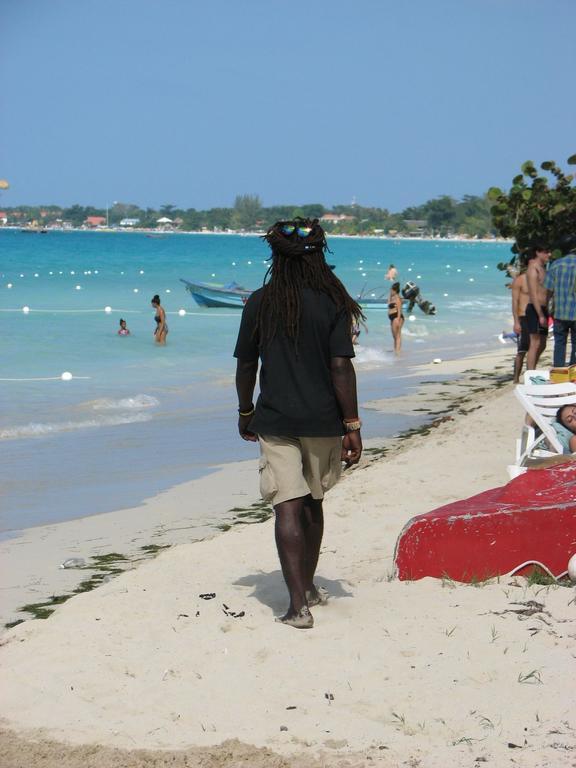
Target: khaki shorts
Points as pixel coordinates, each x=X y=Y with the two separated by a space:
x=292 y=467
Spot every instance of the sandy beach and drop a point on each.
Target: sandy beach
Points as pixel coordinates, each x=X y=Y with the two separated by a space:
x=151 y=670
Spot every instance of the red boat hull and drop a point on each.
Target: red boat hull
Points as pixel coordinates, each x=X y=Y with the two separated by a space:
x=530 y=521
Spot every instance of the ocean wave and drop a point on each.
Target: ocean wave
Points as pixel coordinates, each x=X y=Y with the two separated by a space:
x=415 y=332
x=136 y=403
x=370 y=355
x=492 y=303
x=39 y=429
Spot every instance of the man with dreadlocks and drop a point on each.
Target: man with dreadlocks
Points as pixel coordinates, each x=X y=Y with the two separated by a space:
x=306 y=417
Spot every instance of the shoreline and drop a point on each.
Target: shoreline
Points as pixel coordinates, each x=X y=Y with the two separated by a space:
x=146 y=671
x=143 y=672
x=33 y=580
x=237 y=233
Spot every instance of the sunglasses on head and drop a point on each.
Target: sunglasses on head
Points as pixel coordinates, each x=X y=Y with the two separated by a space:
x=290 y=229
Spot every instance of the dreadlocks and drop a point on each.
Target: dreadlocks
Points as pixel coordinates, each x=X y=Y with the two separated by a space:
x=297 y=262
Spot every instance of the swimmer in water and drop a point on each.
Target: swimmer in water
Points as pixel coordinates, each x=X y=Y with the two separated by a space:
x=392 y=274
x=356 y=330
x=123 y=330
x=161 y=328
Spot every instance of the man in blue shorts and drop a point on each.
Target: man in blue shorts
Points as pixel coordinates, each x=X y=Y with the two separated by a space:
x=537 y=308
x=520 y=299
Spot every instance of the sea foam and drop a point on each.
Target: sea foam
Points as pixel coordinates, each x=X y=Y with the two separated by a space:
x=39 y=429
x=136 y=403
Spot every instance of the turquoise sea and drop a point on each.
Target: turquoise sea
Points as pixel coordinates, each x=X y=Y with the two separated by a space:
x=135 y=418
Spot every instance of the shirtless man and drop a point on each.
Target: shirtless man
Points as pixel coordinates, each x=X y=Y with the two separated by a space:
x=520 y=299
x=536 y=310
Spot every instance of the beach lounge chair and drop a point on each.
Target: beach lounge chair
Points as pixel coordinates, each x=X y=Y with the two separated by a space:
x=541 y=402
x=536 y=376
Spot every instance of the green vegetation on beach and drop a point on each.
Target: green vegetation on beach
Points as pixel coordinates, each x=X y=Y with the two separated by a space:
x=441 y=216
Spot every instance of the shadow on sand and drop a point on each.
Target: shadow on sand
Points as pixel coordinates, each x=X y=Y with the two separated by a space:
x=269 y=588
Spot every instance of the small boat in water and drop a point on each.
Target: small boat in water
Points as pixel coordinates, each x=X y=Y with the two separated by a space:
x=232 y=296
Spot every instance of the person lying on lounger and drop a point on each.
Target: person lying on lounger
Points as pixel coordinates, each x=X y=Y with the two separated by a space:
x=566 y=417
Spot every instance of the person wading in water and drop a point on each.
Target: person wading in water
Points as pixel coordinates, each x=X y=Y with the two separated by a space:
x=306 y=417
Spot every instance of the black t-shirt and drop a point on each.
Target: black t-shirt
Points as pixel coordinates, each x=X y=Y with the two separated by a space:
x=296 y=393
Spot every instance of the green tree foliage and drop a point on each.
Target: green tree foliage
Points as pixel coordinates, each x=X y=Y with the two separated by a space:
x=440 y=216
x=539 y=209
x=247 y=211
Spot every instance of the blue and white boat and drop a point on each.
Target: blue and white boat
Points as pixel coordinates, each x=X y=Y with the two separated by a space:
x=233 y=296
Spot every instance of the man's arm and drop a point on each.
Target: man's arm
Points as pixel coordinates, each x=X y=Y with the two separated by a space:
x=246 y=372
x=344 y=383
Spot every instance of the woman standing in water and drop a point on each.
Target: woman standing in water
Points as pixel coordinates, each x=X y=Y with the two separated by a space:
x=161 y=328
x=395 y=315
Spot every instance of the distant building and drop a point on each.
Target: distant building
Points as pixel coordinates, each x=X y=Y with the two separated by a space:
x=3 y=218
x=165 y=223
x=336 y=218
x=95 y=221
x=415 y=226
x=129 y=222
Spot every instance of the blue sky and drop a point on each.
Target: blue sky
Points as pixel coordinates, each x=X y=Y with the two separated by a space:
x=192 y=103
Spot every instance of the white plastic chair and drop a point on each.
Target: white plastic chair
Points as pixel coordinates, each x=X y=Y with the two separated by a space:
x=541 y=403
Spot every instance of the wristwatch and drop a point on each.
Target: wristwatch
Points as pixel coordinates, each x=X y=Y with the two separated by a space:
x=352 y=426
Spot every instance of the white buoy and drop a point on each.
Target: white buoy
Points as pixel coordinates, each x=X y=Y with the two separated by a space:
x=213 y=274
x=470 y=279
x=95 y=271
x=181 y=312
x=21 y=275
x=418 y=277
x=36 y=274
x=141 y=271
x=66 y=376
x=572 y=568
x=135 y=290
x=25 y=310
x=8 y=285
x=72 y=272
x=361 y=261
x=249 y=262
x=445 y=294
x=168 y=290
x=78 y=287
x=363 y=274
x=437 y=360
x=411 y=318
x=107 y=310
x=233 y=263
